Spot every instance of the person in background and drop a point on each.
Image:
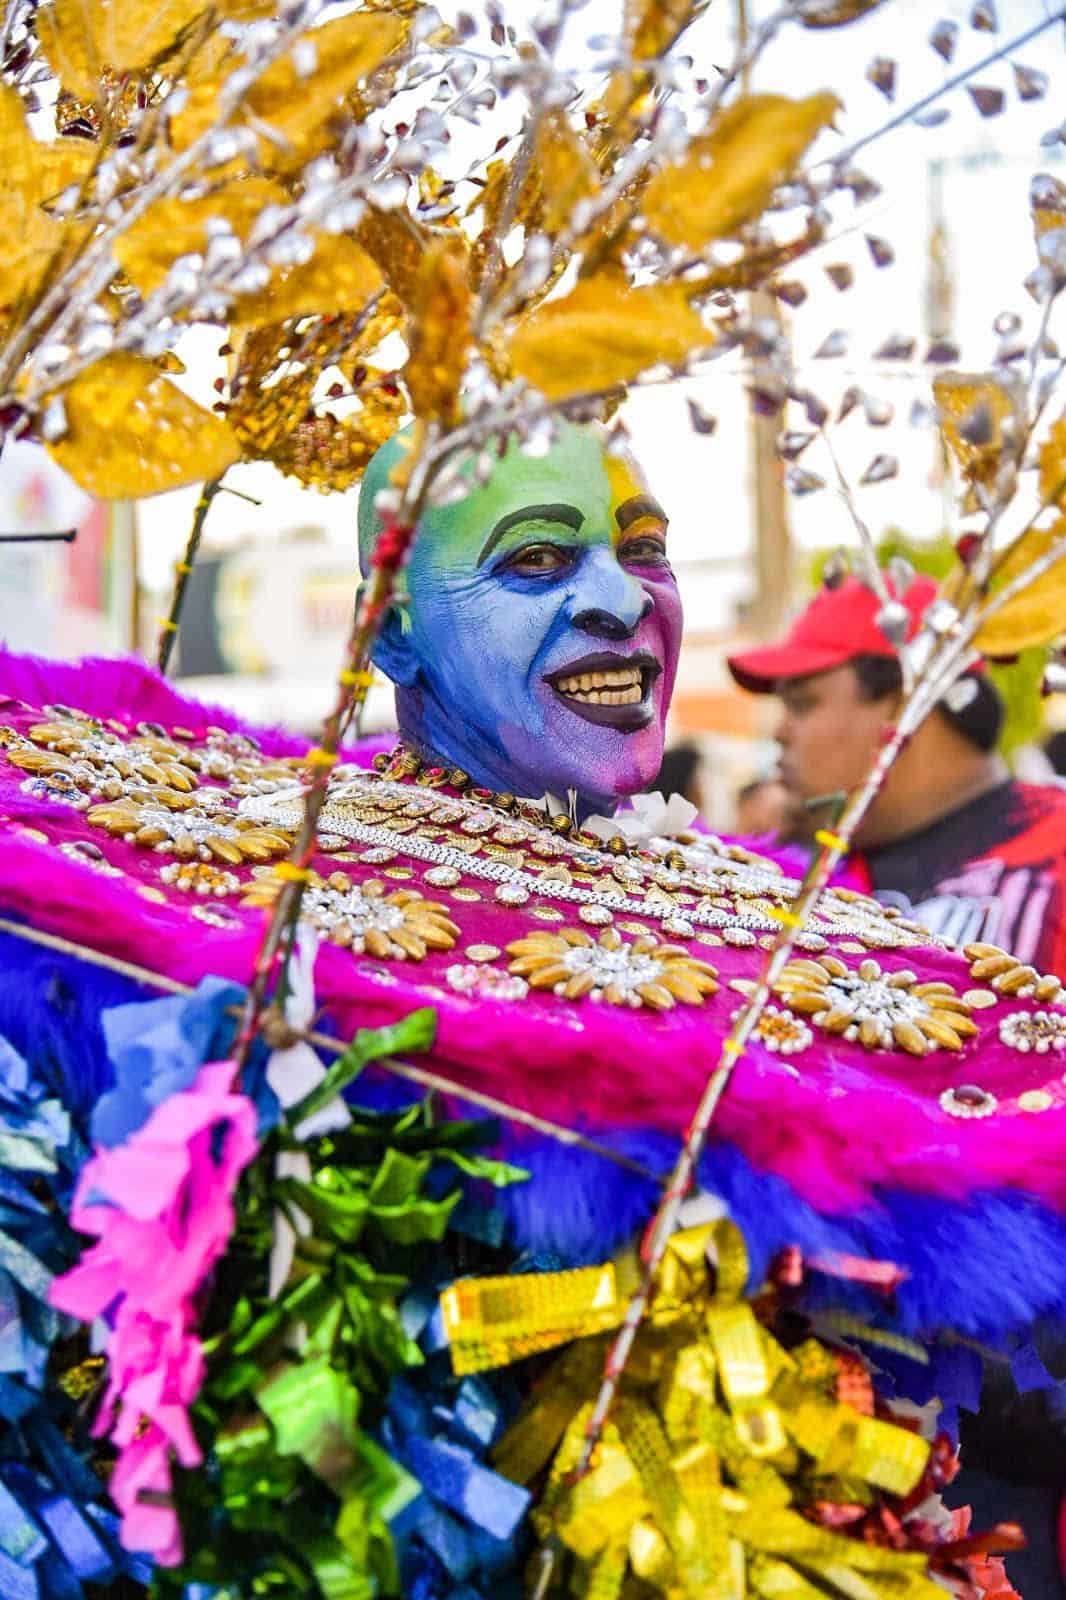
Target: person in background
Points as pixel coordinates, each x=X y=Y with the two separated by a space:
x=958 y=844
x=680 y=774
x=763 y=807
x=952 y=839
x=1055 y=752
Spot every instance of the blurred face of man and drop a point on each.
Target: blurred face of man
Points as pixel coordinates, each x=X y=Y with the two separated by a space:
x=828 y=732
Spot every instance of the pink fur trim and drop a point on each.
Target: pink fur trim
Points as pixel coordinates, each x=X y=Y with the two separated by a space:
x=836 y=1121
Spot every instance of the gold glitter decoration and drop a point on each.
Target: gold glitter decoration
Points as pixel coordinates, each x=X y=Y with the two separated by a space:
x=882 y=1010
x=272 y=390
x=469 y=895
x=641 y=973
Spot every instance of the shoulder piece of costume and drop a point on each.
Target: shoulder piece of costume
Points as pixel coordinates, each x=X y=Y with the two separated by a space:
x=893 y=1081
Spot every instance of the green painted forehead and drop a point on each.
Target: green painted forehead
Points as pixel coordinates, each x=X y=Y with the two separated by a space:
x=575 y=474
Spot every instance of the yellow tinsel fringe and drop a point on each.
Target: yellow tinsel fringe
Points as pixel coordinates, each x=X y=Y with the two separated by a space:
x=719 y=1436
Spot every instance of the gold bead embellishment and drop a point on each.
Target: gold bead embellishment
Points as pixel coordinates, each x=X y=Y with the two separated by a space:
x=1036 y=1031
x=641 y=973
x=482 y=952
x=981 y=999
x=391 y=927
x=780 y=1032
x=1035 y=1100
x=883 y=1011
x=1007 y=975
x=189 y=832
x=488 y=983
x=200 y=877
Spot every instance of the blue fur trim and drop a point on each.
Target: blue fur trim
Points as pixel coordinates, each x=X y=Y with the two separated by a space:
x=986 y=1268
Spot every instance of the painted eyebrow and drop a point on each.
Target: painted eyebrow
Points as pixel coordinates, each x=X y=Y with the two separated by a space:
x=570 y=515
x=641 y=505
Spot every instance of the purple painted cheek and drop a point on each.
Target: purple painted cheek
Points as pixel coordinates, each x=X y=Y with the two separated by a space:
x=661 y=632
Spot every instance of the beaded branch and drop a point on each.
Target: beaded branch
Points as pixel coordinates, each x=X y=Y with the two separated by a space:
x=264 y=178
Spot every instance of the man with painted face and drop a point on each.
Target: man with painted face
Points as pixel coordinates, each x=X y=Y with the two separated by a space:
x=538 y=645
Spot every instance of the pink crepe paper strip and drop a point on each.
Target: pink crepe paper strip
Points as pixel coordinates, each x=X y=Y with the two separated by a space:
x=161 y=1206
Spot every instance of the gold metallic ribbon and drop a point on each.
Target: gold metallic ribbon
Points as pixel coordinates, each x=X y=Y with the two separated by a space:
x=718 y=1436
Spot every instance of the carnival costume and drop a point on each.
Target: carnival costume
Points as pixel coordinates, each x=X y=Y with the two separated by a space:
x=891 y=1147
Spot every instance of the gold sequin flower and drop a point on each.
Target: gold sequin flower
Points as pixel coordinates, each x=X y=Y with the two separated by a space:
x=624 y=973
x=883 y=1011
x=391 y=927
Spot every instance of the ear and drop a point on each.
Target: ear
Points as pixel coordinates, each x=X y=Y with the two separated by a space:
x=393 y=650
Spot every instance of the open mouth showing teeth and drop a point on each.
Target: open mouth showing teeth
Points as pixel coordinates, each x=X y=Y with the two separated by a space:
x=622 y=688
x=608 y=688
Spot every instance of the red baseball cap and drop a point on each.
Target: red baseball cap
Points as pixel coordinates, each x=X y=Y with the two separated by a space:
x=837 y=625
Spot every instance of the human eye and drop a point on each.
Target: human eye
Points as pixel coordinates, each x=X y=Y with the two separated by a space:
x=646 y=550
x=537 y=559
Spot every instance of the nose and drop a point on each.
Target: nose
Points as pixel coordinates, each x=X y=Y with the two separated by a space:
x=609 y=602
x=782 y=730
x=605 y=625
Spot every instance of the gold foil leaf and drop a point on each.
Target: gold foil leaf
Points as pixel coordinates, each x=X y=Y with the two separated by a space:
x=603 y=333
x=731 y=171
x=85 y=38
x=651 y=26
x=440 y=333
x=565 y=170
x=1053 y=467
x=130 y=432
x=397 y=243
x=973 y=408
x=1037 y=614
x=171 y=228
x=297 y=109
x=340 y=277
x=32 y=173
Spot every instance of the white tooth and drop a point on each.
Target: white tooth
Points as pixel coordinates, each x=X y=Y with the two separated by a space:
x=594 y=699
x=599 y=679
x=631 y=696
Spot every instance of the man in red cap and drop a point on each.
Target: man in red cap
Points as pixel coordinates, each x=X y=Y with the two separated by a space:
x=951 y=839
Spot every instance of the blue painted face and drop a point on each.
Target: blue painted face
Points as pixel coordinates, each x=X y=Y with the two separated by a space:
x=539 y=646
